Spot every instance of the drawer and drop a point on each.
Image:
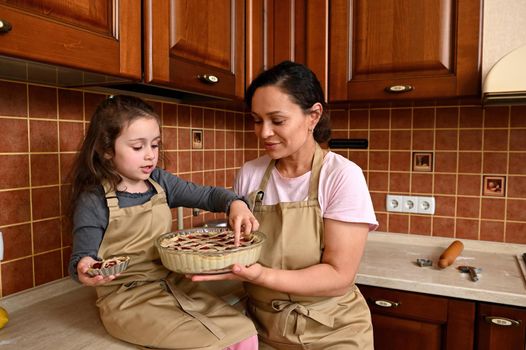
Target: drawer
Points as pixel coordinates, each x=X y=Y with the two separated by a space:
x=406 y=304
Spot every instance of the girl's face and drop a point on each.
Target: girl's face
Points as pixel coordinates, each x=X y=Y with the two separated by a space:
x=280 y=124
x=137 y=153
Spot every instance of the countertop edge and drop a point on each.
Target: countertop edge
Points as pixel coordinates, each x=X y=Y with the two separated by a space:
x=443 y=290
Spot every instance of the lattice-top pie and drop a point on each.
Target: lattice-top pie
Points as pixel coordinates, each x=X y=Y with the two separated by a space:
x=207 y=250
x=218 y=241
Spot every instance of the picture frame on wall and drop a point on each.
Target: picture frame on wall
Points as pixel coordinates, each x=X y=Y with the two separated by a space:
x=494 y=185
x=197 y=138
x=422 y=161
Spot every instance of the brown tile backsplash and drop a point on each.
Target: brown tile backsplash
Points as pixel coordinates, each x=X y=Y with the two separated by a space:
x=45 y=129
x=467 y=142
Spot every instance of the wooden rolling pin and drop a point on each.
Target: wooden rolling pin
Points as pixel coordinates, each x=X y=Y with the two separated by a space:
x=450 y=254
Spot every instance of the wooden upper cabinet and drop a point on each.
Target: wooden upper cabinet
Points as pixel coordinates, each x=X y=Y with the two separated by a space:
x=404 y=49
x=196 y=45
x=94 y=35
x=295 y=30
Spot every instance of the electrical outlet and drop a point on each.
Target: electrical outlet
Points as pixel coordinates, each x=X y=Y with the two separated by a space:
x=393 y=203
x=426 y=205
x=409 y=204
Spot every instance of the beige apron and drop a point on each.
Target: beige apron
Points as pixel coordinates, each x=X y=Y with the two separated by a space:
x=295 y=241
x=150 y=306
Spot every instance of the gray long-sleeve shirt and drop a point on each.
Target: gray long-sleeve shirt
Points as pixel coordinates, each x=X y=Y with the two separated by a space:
x=91 y=215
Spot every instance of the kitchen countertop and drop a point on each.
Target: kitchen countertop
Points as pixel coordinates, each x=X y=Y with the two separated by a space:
x=63 y=315
x=390 y=261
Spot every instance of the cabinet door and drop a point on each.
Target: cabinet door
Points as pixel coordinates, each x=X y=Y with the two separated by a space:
x=407 y=321
x=101 y=36
x=295 y=30
x=196 y=45
x=404 y=49
x=501 y=327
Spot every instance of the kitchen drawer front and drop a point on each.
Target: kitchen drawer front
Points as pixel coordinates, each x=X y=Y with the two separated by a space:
x=406 y=304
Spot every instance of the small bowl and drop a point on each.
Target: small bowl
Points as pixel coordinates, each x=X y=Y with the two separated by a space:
x=108 y=267
x=208 y=251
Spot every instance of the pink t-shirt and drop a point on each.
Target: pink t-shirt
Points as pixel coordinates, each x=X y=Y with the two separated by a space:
x=342 y=193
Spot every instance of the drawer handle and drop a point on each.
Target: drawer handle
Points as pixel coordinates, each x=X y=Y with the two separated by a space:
x=502 y=321
x=397 y=89
x=208 y=78
x=386 y=303
x=5 y=26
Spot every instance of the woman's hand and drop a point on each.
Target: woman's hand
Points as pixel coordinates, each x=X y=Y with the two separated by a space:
x=251 y=274
x=82 y=270
x=241 y=220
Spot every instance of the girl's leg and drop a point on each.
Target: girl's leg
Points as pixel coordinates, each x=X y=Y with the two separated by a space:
x=250 y=343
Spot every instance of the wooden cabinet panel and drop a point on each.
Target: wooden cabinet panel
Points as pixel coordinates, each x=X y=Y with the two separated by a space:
x=431 y=46
x=506 y=331
x=93 y=15
x=295 y=30
x=399 y=333
x=101 y=36
x=405 y=320
x=189 y=40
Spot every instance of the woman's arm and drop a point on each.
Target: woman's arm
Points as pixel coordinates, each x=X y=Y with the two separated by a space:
x=344 y=247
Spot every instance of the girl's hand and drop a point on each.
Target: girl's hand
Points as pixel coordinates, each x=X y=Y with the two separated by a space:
x=241 y=220
x=87 y=280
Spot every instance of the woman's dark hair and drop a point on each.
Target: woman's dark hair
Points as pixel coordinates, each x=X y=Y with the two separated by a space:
x=302 y=86
x=93 y=166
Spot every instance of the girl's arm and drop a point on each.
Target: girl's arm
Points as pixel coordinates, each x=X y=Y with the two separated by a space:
x=344 y=246
x=89 y=221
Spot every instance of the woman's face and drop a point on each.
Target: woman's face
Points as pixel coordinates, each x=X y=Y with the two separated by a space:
x=280 y=124
x=137 y=152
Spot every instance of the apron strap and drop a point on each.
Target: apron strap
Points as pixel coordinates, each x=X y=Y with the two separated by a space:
x=286 y=308
x=186 y=304
x=317 y=162
x=161 y=195
x=111 y=197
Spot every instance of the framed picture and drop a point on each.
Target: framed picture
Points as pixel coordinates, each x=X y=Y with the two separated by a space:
x=197 y=138
x=423 y=161
x=494 y=185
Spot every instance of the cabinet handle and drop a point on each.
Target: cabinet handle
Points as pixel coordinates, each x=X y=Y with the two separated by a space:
x=5 y=26
x=386 y=303
x=209 y=79
x=397 y=89
x=502 y=321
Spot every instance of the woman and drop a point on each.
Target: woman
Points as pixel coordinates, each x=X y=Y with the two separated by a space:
x=315 y=208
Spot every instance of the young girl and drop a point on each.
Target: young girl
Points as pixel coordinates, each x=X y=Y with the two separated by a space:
x=121 y=202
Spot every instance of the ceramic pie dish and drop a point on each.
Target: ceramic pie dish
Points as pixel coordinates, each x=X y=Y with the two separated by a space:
x=109 y=267
x=207 y=250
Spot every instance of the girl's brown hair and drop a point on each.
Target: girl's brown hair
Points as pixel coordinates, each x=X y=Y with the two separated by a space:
x=93 y=166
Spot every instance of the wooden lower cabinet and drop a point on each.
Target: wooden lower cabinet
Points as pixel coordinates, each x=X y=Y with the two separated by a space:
x=500 y=327
x=408 y=320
